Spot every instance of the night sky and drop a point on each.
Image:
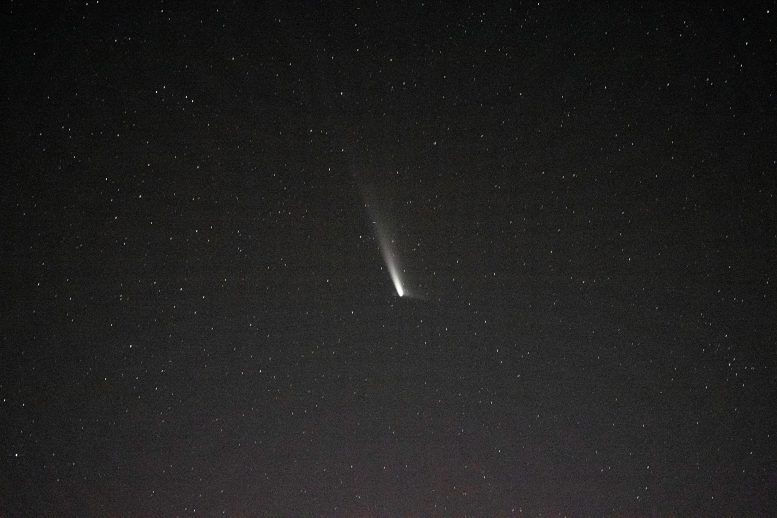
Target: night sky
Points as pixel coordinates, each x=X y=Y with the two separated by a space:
x=209 y=213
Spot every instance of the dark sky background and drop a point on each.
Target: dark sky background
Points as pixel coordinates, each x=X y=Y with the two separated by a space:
x=196 y=317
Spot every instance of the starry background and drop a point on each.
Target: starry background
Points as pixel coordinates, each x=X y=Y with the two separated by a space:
x=196 y=317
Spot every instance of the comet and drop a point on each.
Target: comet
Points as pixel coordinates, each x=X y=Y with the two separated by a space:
x=384 y=237
x=392 y=265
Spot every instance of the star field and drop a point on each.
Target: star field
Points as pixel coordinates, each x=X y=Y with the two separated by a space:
x=202 y=204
